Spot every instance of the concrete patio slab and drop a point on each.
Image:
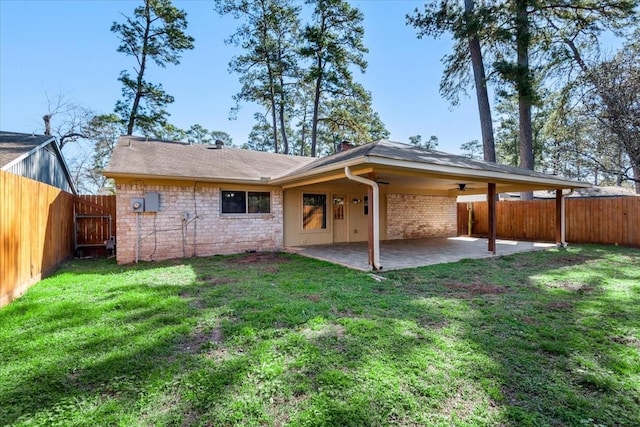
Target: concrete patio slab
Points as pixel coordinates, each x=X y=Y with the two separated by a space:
x=398 y=254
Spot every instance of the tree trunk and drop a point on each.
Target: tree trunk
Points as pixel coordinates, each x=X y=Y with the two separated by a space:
x=303 y=131
x=316 y=108
x=274 y=120
x=47 y=124
x=281 y=113
x=636 y=175
x=525 y=91
x=143 y=64
x=484 y=107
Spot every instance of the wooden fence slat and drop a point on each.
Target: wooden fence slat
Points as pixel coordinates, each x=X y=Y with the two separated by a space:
x=614 y=220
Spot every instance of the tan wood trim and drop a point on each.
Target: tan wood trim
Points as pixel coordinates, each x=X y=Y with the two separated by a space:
x=324 y=178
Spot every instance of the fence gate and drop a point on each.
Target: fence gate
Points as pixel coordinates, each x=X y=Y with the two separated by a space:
x=94 y=223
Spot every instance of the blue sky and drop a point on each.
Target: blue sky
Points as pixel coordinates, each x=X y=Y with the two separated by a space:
x=53 y=47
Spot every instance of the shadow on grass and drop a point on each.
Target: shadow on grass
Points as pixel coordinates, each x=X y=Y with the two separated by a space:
x=534 y=339
x=565 y=341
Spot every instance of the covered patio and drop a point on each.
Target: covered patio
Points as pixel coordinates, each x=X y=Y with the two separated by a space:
x=397 y=204
x=411 y=253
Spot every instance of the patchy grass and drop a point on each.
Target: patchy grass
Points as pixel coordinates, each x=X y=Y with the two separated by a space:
x=543 y=338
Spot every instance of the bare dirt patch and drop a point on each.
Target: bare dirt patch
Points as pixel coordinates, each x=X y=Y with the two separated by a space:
x=476 y=289
x=433 y=324
x=257 y=258
x=628 y=341
x=199 y=338
x=578 y=287
x=560 y=305
x=328 y=330
x=213 y=280
x=565 y=260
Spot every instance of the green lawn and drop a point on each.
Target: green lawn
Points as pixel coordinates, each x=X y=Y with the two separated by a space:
x=544 y=338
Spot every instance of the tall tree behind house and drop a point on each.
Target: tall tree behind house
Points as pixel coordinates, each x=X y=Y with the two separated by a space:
x=155 y=33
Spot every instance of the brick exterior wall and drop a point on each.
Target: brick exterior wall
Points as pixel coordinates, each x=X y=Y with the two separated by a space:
x=411 y=216
x=190 y=223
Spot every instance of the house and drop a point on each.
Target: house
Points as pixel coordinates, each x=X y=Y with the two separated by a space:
x=37 y=157
x=176 y=200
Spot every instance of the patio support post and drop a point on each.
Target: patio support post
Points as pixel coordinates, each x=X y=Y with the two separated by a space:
x=374 y=210
x=491 y=204
x=559 y=218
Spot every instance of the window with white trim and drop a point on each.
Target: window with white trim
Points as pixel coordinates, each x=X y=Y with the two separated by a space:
x=314 y=211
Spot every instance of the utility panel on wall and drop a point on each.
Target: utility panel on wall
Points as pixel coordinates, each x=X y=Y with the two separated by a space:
x=152 y=201
x=137 y=204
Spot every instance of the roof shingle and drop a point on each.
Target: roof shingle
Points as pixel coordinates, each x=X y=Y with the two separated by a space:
x=137 y=156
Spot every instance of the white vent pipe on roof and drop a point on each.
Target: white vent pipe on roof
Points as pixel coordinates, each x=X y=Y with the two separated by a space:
x=376 y=214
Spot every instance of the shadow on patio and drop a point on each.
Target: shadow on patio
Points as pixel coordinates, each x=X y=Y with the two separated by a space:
x=398 y=254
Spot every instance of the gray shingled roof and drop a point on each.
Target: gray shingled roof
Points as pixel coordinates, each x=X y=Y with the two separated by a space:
x=409 y=153
x=16 y=145
x=136 y=156
x=139 y=157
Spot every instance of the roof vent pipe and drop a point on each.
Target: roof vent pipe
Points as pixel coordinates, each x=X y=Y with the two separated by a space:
x=376 y=214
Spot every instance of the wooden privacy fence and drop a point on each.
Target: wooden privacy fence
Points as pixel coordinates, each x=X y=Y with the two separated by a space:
x=611 y=220
x=36 y=224
x=95 y=223
x=40 y=226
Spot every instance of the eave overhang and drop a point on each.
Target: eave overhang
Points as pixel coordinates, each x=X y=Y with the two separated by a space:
x=364 y=164
x=209 y=179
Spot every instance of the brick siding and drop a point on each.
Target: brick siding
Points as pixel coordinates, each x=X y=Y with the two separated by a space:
x=411 y=216
x=190 y=223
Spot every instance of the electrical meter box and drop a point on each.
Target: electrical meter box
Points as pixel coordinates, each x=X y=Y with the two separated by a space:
x=137 y=204
x=152 y=201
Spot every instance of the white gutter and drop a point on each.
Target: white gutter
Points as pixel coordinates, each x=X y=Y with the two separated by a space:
x=563 y=220
x=376 y=214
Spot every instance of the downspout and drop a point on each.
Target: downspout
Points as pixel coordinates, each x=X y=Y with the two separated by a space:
x=563 y=220
x=376 y=214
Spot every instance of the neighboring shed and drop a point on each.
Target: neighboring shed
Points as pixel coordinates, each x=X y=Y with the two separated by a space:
x=37 y=157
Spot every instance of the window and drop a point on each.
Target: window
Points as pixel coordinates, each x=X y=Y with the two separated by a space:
x=338 y=207
x=242 y=202
x=314 y=211
x=259 y=202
